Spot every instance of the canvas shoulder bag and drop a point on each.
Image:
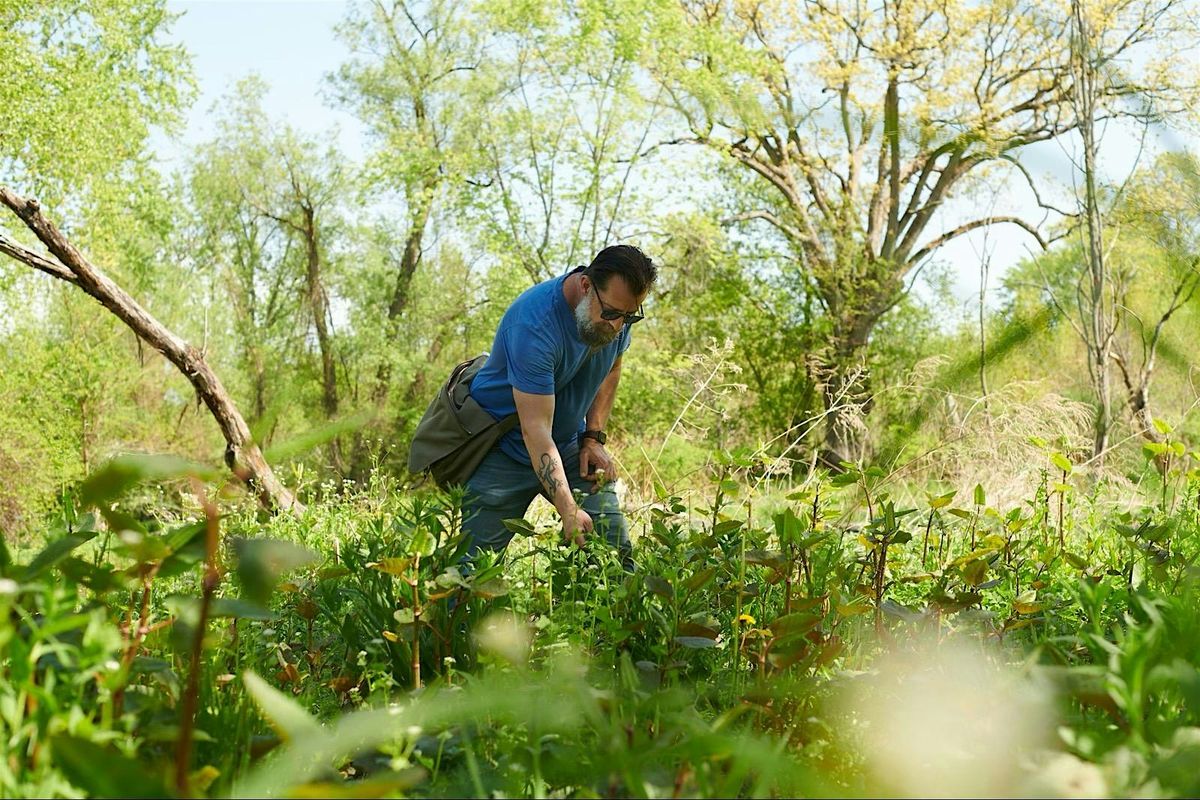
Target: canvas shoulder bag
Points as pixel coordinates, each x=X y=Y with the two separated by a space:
x=456 y=432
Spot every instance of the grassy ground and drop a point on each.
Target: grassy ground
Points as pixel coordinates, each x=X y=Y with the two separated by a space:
x=820 y=638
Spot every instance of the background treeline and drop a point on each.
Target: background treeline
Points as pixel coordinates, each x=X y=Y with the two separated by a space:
x=794 y=167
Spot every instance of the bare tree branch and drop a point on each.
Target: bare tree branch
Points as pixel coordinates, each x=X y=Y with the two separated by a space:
x=967 y=227
x=241 y=453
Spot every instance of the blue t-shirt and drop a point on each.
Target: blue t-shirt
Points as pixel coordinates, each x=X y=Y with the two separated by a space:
x=538 y=350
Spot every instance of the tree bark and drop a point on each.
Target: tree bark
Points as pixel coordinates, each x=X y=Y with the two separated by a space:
x=410 y=259
x=242 y=455
x=846 y=394
x=318 y=301
x=1098 y=327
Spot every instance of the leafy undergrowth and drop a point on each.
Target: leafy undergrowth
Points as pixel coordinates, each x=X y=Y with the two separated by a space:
x=827 y=641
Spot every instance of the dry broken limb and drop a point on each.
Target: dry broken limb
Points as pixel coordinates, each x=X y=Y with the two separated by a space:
x=241 y=452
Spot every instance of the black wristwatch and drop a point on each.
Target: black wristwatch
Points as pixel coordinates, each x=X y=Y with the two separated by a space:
x=599 y=436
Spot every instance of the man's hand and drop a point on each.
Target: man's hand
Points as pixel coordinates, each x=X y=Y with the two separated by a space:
x=593 y=456
x=575 y=524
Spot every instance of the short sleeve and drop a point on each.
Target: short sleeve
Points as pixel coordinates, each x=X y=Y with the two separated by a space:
x=625 y=338
x=531 y=355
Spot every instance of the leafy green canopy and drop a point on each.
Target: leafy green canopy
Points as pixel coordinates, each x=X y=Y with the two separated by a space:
x=83 y=84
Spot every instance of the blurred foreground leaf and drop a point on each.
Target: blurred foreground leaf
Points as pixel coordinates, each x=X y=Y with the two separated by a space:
x=103 y=772
x=260 y=563
x=299 y=445
x=122 y=473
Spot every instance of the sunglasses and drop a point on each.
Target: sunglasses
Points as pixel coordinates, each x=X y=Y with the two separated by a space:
x=611 y=314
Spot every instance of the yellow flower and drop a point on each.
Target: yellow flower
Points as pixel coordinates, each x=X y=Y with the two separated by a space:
x=746 y=618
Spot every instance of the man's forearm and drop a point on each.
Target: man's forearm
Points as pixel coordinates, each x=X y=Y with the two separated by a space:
x=547 y=464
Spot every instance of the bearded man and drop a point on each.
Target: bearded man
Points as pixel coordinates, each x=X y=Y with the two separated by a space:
x=556 y=363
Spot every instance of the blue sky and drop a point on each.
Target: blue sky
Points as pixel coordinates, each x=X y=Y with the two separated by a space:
x=290 y=44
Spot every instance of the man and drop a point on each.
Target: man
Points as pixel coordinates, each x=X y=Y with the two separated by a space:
x=556 y=362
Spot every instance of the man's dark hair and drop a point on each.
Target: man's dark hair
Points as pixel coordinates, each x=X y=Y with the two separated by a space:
x=627 y=261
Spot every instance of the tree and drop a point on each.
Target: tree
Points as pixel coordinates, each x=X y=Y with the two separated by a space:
x=92 y=80
x=242 y=454
x=865 y=120
x=83 y=84
x=413 y=81
x=558 y=148
x=1160 y=277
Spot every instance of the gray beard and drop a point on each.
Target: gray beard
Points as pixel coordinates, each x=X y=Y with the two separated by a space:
x=593 y=334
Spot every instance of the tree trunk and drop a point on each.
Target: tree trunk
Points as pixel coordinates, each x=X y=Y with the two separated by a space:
x=1098 y=326
x=846 y=394
x=410 y=259
x=241 y=453
x=318 y=301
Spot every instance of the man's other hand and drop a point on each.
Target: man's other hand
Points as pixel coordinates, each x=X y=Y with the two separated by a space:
x=592 y=457
x=575 y=524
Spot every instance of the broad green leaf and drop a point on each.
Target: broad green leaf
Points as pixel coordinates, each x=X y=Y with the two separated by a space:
x=844 y=479
x=103 y=771
x=892 y=608
x=979 y=553
x=396 y=567
x=1062 y=462
x=53 y=553
x=451 y=577
x=490 y=589
x=766 y=558
x=973 y=572
x=980 y=496
x=811 y=541
x=234 y=608
x=1161 y=425
x=141 y=547
x=261 y=562
x=122 y=473
x=727 y=526
x=796 y=623
x=423 y=543
x=286 y=716
x=695 y=642
x=330 y=573
x=120 y=521
x=1026 y=603
x=658 y=585
x=696 y=629
x=699 y=580
x=187 y=545
x=941 y=501
x=519 y=526
x=858 y=606
x=99 y=579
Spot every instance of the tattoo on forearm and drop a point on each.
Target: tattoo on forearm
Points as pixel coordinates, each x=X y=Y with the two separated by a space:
x=546 y=474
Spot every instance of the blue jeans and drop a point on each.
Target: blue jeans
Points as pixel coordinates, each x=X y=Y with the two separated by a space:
x=503 y=488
